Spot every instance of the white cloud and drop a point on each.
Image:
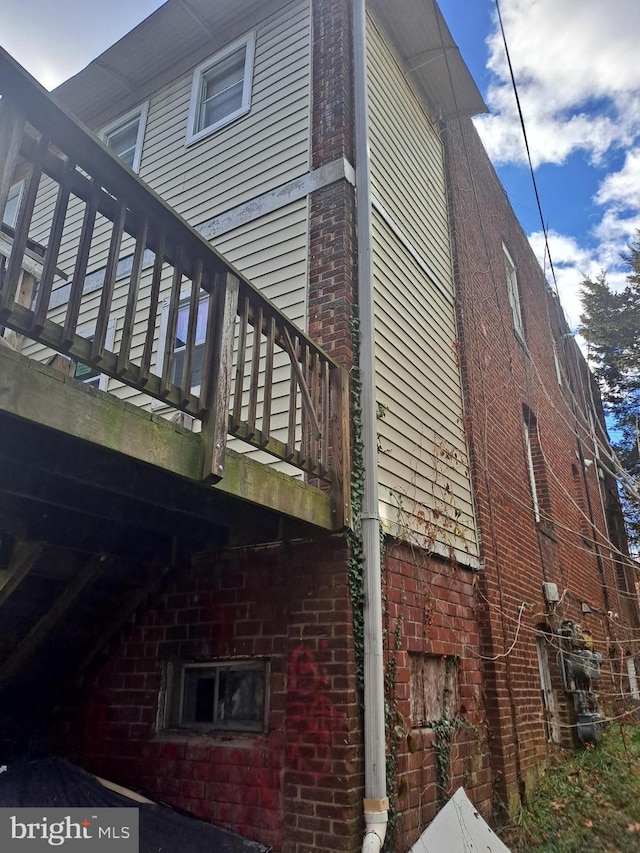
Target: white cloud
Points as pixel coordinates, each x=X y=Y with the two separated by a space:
x=622 y=189
x=579 y=86
x=577 y=77
x=573 y=263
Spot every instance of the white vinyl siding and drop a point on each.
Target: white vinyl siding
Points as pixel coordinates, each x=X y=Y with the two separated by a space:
x=426 y=494
x=258 y=152
x=265 y=148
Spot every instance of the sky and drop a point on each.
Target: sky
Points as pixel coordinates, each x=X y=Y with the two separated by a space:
x=578 y=77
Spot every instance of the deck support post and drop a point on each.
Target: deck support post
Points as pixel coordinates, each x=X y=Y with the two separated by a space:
x=223 y=306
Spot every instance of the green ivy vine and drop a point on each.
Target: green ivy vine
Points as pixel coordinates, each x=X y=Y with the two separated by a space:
x=354 y=536
x=395 y=732
x=356 y=590
x=444 y=730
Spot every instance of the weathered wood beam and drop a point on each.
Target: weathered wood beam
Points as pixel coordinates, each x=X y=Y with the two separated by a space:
x=127 y=608
x=23 y=559
x=259 y=484
x=33 y=391
x=223 y=305
x=86 y=576
x=37 y=394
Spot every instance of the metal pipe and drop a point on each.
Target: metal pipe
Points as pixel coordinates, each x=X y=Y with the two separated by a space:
x=375 y=802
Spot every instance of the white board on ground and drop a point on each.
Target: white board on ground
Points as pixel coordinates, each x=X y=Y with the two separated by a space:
x=459 y=828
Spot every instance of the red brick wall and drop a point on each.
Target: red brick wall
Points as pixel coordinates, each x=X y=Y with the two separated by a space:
x=332 y=110
x=296 y=787
x=434 y=601
x=501 y=376
x=332 y=239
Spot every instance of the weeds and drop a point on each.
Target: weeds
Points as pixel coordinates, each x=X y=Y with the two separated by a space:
x=588 y=804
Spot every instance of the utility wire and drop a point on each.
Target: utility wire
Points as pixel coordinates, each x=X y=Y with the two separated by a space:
x=526 y=144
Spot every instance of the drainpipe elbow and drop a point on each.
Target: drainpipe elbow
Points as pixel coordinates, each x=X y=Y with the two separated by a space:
x=375 y=830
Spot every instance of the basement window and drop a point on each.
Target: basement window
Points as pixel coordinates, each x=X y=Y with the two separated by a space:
x=221 y=89
x=217 y=696
x=433 y=689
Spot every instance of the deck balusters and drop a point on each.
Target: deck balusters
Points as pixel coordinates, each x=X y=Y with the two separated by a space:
x=147 y=253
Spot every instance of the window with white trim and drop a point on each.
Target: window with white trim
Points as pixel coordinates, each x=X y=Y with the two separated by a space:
x=221 y=90
x=514 y=294
x=227 y=695
x=124 y=136
x=556 y=362
x=532 y=473
x=536 y=466
x=12 y=206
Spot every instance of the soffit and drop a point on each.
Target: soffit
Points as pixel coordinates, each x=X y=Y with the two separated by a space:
x=432 y=61
x=182 y=33
x=167 y=44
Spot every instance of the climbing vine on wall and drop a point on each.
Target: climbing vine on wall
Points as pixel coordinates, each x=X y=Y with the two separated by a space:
x=354 y=536
x=394 y=728
x=394 y=725
x=444 y=730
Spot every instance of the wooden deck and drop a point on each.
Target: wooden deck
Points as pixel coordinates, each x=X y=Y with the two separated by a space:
x=248 y=346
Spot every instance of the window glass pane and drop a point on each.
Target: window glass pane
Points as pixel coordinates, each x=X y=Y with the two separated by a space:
x=223 y=696
x=205 y=698
x=123 y=141
x=85 y=373
x=222 y=89
x=182 y=327
x=13 y=202
x=241 y=697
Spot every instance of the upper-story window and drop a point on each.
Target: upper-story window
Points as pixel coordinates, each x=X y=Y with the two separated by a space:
x=124 y=136
x=537 y=468
x=514 y=294
x=221 y=88
x=12 y=207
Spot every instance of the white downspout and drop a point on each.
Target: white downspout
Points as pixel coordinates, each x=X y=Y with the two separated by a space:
x=376 y=802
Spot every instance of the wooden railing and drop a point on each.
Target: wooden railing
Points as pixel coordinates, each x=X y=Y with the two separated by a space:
x=128 y=246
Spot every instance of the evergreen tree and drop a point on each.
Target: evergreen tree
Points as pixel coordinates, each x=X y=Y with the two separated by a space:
x=611 y=327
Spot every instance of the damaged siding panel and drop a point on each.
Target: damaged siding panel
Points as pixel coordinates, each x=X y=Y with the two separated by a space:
x=426 y=490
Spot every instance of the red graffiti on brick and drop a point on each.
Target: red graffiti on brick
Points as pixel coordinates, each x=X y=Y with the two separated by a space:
x=311 y=715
